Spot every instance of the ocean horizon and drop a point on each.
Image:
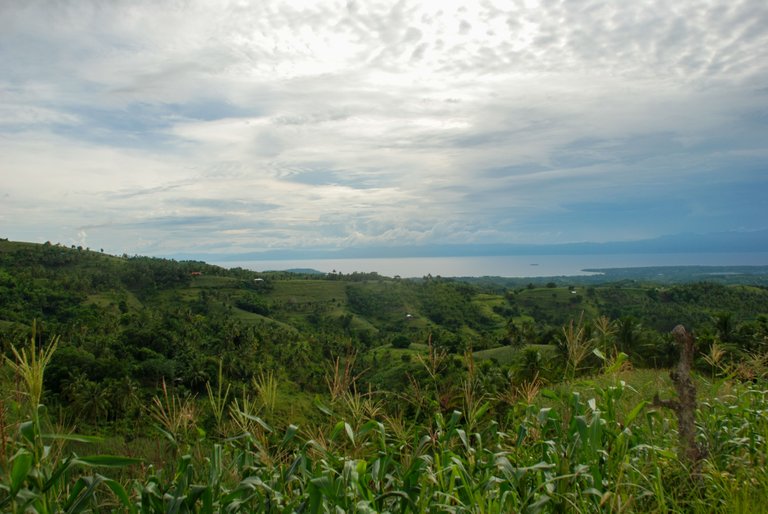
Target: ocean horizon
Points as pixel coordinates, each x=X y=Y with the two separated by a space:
x=517 y=266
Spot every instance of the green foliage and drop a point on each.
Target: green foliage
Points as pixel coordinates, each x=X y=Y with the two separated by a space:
x=401 y=341
x=592 y=449
x=29 y=364
x=253 y=303
x=227 y=363
x=35 y=477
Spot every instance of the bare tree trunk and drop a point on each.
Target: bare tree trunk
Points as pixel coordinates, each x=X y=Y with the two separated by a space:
x=685 y=405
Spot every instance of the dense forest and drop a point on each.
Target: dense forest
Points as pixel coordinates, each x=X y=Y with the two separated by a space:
x=277 y=391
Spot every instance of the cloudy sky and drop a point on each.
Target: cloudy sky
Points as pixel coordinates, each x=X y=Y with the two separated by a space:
x=159 y=127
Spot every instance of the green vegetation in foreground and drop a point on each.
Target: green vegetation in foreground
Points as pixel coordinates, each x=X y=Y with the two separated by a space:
x=240 y=391
x=584 y=446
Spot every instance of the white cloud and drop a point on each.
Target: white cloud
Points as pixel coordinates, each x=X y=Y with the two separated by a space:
x=272 y=124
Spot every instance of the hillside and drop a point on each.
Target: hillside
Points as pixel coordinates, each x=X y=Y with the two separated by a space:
x=263 y=391
x=146 y=320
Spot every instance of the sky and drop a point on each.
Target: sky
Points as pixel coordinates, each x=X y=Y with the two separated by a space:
x=173 y=127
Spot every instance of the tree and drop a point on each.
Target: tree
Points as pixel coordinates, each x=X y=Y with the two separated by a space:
x=400 y=341
x=724 y=326
x=628 y=335
x=531 y=366
x=88 y=398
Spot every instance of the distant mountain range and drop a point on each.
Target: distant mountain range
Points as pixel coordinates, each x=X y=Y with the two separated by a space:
x=730 y=242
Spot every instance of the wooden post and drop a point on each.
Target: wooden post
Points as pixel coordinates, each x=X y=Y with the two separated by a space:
x=685 y=405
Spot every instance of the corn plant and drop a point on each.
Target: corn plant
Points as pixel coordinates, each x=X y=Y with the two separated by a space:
x=174 y=417
x=218 y=400
x=36 y=478
x=30 y=367
x=266 y=387
x=577 y=346
x=580 y=447
x=714 y=358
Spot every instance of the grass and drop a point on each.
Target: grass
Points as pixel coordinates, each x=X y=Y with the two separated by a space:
x=508 y=355
x=308 y=291
x=360 y=323
x=13 y=246
x=104 y=300
x=558 y=300
x=486 y=303
x=214 y=282
x=101 y=300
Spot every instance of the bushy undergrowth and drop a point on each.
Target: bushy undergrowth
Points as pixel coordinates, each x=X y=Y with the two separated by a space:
x=596 y=447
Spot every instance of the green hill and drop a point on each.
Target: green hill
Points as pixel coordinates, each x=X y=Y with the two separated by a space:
x=147 y=320
x=233 y=390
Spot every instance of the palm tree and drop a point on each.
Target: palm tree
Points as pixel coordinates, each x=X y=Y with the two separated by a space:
x=89 y=399
x=629 y=334
x=724 y=326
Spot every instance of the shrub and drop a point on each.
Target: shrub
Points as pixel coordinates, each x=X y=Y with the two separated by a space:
x=401 y=341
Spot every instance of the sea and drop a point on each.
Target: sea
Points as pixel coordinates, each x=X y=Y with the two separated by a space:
x=503 y=266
